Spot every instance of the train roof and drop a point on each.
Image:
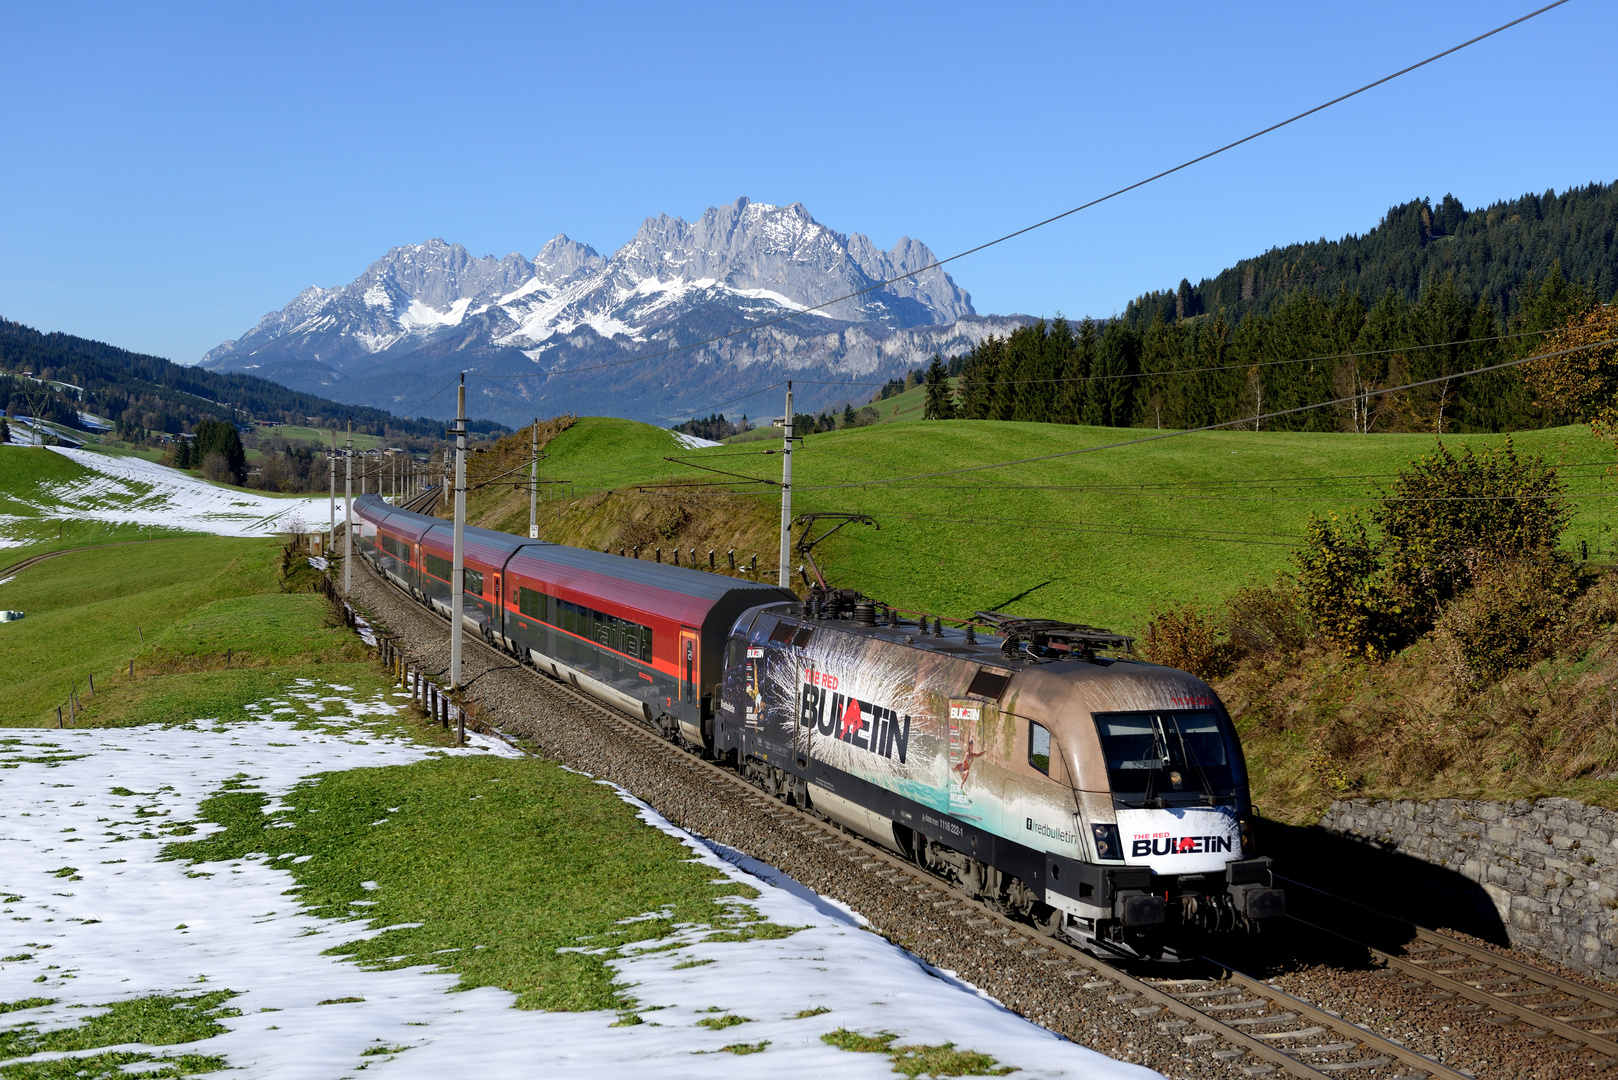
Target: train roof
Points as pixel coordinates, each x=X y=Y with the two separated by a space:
x=986 y=648
x=678 y=592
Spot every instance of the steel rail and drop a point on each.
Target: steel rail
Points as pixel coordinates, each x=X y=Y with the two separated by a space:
x=1338 y=1023
x=1432 y=937
x=870 y=856
x=1475 y=993
x=1500 y=995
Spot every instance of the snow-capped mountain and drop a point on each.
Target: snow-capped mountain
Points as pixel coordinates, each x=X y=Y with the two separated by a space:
x=421 y=313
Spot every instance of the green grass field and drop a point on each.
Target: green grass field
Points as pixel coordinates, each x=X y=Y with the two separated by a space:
x=496 y=895
x=1096 y=537
x=320 y=437
x=176 y=608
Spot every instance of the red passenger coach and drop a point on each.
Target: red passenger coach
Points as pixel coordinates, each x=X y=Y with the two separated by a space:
x=643 y=636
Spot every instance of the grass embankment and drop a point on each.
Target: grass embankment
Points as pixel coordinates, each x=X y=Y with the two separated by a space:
x=512 y=873
x=182 y=610
x=1097 y=537
x=1318 y=725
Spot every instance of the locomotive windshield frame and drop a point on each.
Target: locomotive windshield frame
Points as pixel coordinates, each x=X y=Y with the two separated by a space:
x=1170 y=755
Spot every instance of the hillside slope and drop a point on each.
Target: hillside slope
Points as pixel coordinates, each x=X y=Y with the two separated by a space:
x=1097 y=537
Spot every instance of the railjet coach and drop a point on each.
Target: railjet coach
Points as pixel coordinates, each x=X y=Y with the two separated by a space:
x=1097 y=796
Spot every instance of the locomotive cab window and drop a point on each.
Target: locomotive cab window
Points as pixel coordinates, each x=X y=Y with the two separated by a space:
x=1157 y=754
x=783 y=632
x=1039 y=748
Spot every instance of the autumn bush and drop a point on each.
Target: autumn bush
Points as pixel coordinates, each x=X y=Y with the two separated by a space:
x=1514 y=614
x=1447 y=518
x=1190 y=638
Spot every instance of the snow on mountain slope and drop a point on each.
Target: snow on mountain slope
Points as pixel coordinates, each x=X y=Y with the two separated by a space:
x=423 y=312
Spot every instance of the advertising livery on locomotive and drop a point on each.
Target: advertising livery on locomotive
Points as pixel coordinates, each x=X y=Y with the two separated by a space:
x=1100 y=797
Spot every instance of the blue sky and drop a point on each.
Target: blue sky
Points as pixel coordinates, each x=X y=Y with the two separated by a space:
x=173 y=172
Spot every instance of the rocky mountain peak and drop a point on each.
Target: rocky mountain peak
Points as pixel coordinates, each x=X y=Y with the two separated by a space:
x=562 y=260
x=434 y=305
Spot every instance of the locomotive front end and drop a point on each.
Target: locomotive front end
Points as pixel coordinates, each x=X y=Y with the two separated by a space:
x=1160 y=797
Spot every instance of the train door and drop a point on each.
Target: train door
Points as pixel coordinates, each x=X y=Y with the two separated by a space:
x=688 y=667
x=498 y=621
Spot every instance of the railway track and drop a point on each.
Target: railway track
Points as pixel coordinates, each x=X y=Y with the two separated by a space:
x=1225 y=1019
x=1520 y=998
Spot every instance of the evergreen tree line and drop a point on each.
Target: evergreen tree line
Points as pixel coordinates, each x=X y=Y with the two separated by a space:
x=1490 y=255
x=715 y=427
x=1212 y=369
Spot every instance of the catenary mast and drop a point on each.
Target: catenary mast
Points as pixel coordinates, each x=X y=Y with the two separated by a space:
x=786 y=497
x=348 y=511
x=457 y=574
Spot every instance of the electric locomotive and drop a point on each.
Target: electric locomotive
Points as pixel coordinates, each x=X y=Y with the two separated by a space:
x=1098 y=796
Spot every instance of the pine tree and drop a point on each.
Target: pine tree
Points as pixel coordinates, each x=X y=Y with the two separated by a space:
x=1110 y=402
x=940 y=404
x=848 y=414
x=220 y=437
x=978 y=377
x=1075 y=371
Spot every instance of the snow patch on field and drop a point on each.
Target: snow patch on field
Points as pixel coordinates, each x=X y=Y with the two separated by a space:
x=691 y=442
x=136 y=491
x=126 y=925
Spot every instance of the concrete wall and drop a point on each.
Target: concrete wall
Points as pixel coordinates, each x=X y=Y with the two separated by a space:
x=1549 y=868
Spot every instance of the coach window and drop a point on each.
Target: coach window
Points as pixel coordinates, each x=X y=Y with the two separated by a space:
x=474 y=581
x=1039 y=748
x=531 y=603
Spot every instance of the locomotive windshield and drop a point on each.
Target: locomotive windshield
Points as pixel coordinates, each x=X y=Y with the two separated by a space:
x=1159 y=753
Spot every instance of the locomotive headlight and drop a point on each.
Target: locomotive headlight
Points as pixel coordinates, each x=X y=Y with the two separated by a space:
x=1247 y=837
x=1108 y=846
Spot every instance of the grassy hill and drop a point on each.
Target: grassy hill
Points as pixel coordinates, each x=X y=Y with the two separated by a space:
x=1096 y=537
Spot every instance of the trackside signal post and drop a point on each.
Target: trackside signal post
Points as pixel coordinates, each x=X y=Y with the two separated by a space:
x=457 y=574
x=348 y=512
x=786 y=497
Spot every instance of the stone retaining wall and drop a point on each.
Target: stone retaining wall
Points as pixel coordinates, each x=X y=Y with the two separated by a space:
x=1549 y=867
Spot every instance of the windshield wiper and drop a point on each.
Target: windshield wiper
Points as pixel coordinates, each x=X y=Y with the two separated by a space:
x=1191 y=759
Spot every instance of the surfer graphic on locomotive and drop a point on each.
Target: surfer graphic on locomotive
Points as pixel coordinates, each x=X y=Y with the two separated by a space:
x=1035 y=762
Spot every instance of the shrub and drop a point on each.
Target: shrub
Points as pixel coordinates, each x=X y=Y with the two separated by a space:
x=1512 y=617
x=1448 y=518
x=1268 y=620
x=1188 y=639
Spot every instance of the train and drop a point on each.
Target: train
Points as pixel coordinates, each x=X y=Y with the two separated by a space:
x=1039 y=764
